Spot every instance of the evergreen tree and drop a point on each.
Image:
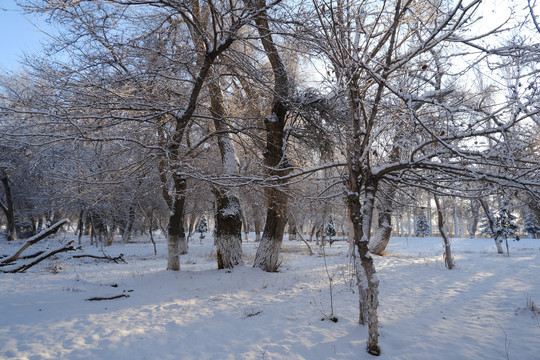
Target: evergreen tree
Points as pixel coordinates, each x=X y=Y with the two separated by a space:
x=505 y=227
x=202 y=227
x=330 y=230
x=421 y=226
x=530 y=225
x=483 y=227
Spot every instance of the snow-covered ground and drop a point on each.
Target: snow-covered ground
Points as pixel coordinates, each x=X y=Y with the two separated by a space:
x=482 y=309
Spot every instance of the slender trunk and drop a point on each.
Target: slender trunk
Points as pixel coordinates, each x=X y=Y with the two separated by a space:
x=429 y=215
x=491 y=224
x=257 y=225
x=176 y=237
x=447 y=251
x=368 y=283
x=380 y=241
x=473 y=224
x=456 y=220
x=192 y=220
x=80 y=226
x=8 y=208
x=126 y=237
x=245 y=226
x=292 y=228
x=109 y=235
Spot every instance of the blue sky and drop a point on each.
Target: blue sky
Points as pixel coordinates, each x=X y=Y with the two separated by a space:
x=17 y=35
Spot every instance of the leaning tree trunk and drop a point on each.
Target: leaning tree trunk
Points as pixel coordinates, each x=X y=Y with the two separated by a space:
x=380 y=240
x=491 y=224
x=267 y=256
x=8 y=208
x=447 y=250
x=473 y=224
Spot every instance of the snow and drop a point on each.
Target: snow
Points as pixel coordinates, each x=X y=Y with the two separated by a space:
x=479 y=310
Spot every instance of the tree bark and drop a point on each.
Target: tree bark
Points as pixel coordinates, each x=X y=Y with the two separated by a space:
x=440 y=221
x=380 y=240
x=126 y=236
x=491 y=224
x=368 y=282
x=257 y=225
x=8 y=207
x=229 y=216
x=473 y=224
x=267 y=256
x=292 y=228
x=228 y=230
x=176 y=237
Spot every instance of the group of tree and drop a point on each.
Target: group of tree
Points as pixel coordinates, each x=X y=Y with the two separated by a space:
x=152 y=113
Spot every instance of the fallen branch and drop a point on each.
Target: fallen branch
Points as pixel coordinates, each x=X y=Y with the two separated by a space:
x=108 y=298
x=299 y=233
x=31 y=256
x=34 y=239
x=105 y=257
x=68 y=247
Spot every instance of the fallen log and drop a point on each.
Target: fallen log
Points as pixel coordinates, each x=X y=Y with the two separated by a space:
x=68 y=247
x=105 y=257
x=34 y=239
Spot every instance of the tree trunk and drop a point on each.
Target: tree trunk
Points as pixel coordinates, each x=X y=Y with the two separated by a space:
x=176 y=237
x=456 y=218
x=80 y=226
x=491 y=224
x=447 y=251
x=257 y=225
x=473 y=224
x=8 y=208
x=368 y=283
x=292 y=228
x=267 y=256
x=380 y=240
x=245 y=226
x=126 y=237
x=228 y=230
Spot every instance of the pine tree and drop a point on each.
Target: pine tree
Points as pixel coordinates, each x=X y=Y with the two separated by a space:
x=202 y=227
x=530 y=225
x=330 y=230
x=505 y=227
x=421 y=226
